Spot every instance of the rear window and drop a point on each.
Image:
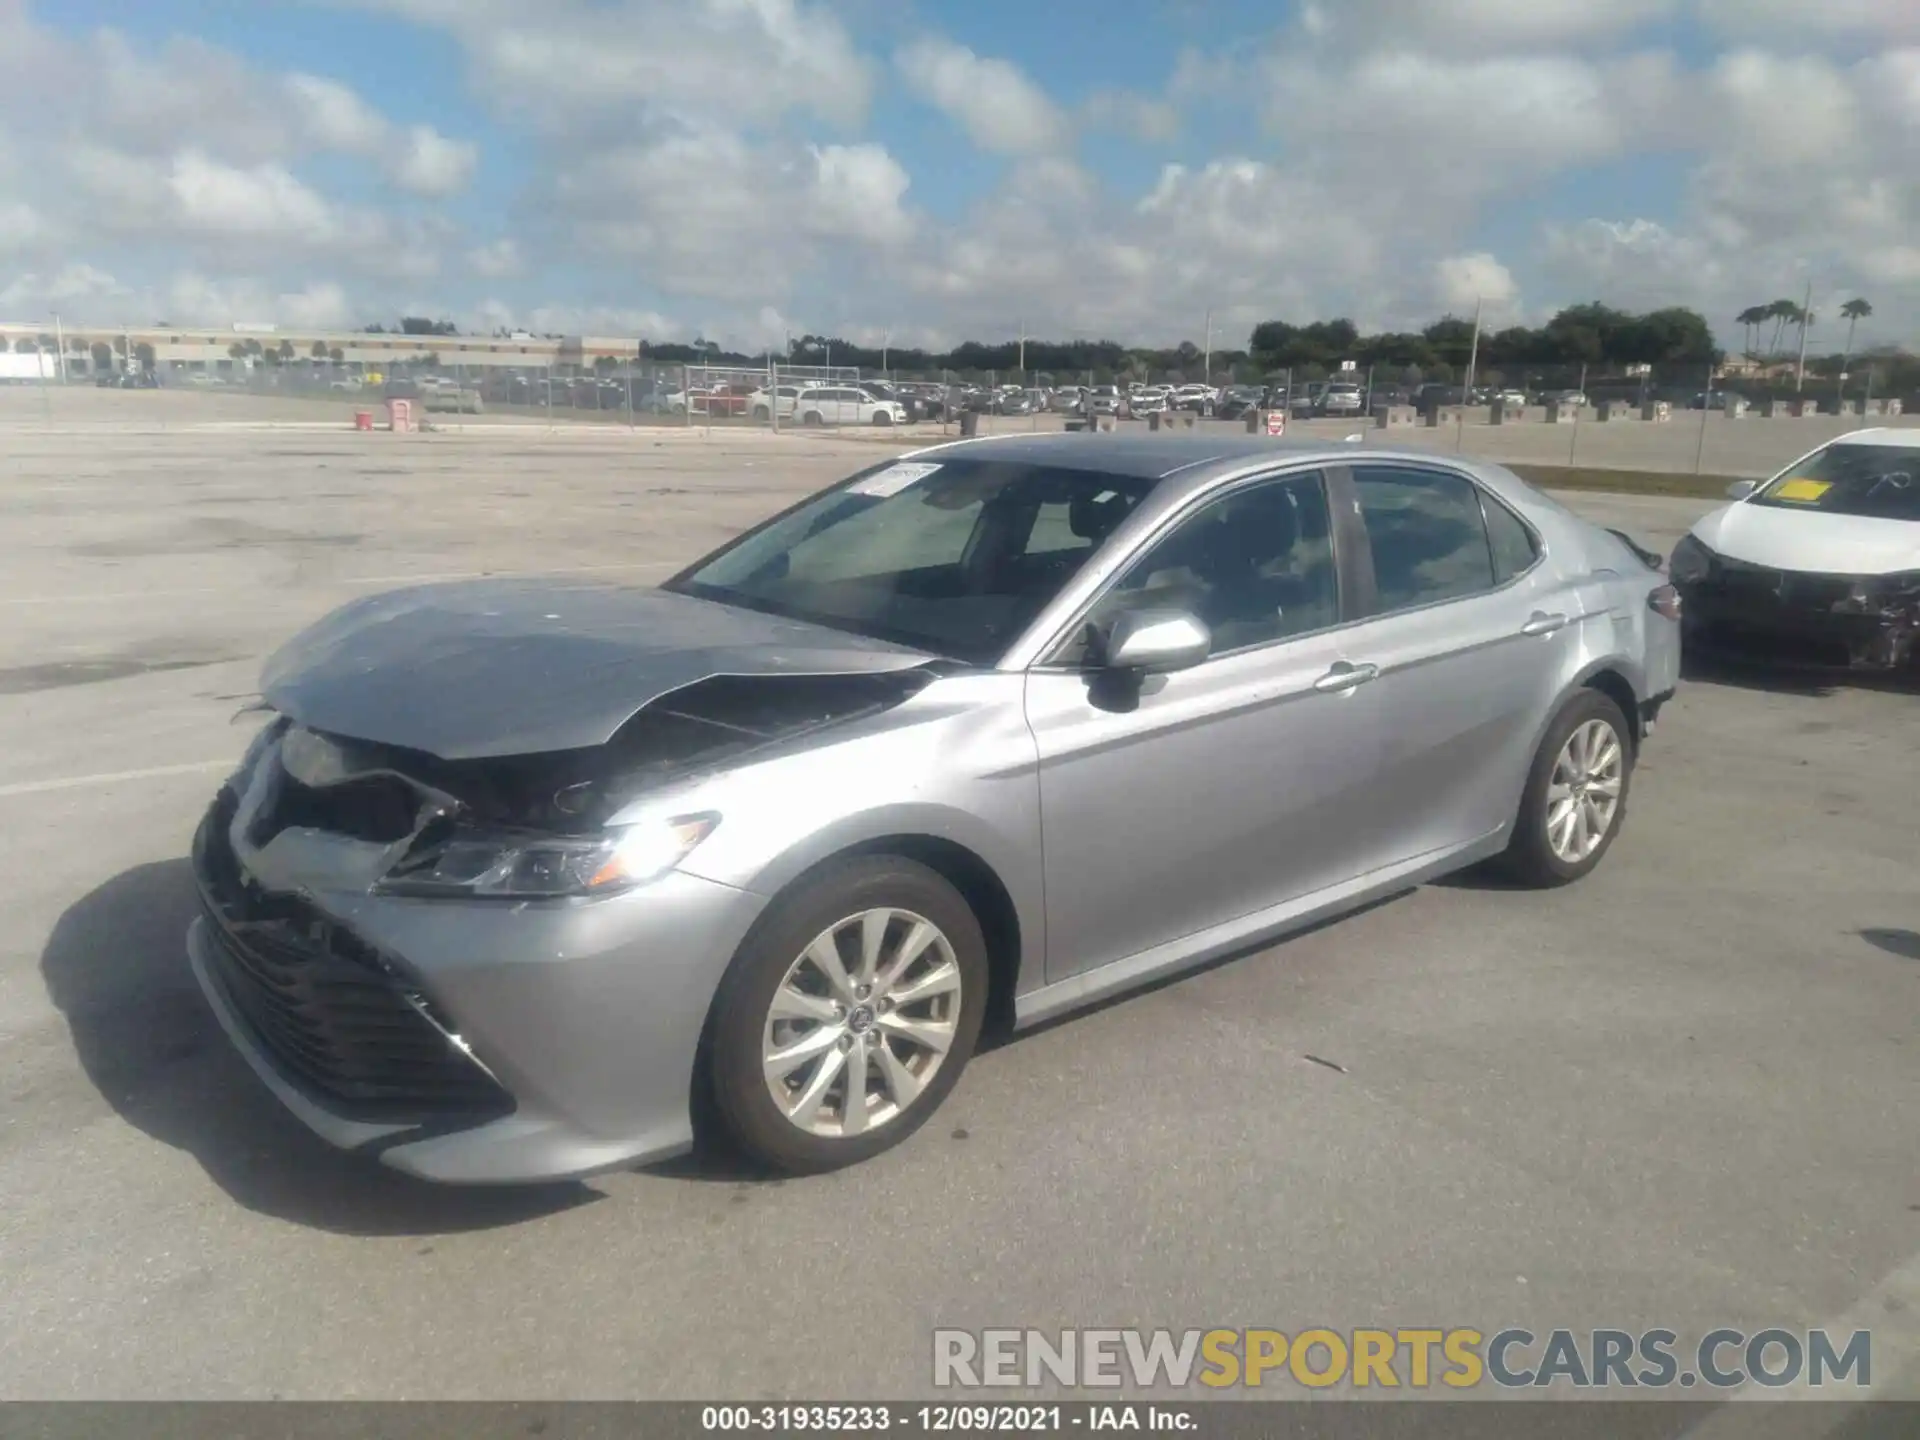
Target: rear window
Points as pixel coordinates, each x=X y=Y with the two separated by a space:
x=1874 y=481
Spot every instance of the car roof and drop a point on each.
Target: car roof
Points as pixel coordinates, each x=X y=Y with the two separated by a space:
x=1879 y=435
x=1153 y=457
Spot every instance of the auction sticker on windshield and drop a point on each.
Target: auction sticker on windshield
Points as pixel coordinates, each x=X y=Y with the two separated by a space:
x=1801 y=489
x=892 y=480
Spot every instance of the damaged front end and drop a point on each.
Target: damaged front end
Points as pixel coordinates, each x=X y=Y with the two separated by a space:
x=319 y=860
x=1866 y=623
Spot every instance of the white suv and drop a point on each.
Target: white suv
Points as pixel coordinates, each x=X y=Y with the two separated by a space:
x=844 y=405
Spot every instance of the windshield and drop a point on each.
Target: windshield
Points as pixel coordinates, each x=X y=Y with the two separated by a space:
x=1875 y=481
x=955 y=557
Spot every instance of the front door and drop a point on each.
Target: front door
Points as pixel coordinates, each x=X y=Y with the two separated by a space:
x=1190 y=799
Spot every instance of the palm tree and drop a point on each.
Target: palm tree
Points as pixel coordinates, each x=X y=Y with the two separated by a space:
x=1855 y=310
x=1783 y=313
x=1752 y=318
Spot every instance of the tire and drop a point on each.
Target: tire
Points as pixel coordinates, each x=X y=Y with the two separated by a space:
x=881 y=417
x=812 y=417
x=1532 y=856
x=774 y=961
x=761 y=413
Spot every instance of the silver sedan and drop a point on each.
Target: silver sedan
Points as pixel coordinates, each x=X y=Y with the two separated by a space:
x=519 y=874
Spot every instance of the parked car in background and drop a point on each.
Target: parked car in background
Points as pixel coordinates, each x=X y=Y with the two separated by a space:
x=1148 y=400
x=1435 y=394
x=493 y=899
x=1105 y=400
x=845 y=405
x=1819 y=565
x=1199 y=399
x=763 y=406
x=1236 y=400
x=1512 y=397
x=1339 y=398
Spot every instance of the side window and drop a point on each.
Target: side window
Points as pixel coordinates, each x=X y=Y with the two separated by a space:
x=1255 y=565
x=1426 y=533
x=1513 y=546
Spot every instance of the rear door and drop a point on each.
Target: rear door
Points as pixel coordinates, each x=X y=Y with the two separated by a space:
x=1472 y=631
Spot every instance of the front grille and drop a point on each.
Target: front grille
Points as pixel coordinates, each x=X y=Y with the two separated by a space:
x=1763 y=586
x=337 y=1018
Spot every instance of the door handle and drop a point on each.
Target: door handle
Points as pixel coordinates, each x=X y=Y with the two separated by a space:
x=1345 y=677
x=1540 y=623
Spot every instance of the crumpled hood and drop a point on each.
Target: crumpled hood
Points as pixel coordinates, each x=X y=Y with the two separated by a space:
x=1807 y=540
x=518 y=667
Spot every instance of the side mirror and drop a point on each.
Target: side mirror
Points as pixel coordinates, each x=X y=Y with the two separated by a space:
x=1155 y=641
x=1740 y=489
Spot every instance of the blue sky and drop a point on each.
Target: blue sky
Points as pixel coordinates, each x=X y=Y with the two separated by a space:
x=740 y=168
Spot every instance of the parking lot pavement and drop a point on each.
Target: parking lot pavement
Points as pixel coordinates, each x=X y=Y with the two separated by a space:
x=1683 y=1093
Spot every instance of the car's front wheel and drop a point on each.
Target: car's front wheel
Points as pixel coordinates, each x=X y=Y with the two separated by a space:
x=1576 y=795
x=848 y=1014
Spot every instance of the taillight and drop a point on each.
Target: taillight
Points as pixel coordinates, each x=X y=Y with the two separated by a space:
x=1664 y=600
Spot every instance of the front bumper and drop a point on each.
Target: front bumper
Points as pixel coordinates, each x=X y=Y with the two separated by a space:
x=1797 y=618
x=460 y=1041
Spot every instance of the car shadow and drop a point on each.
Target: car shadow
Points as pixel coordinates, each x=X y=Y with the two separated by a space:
x=1748 y=673
x=116 y=968
x=1904 y=944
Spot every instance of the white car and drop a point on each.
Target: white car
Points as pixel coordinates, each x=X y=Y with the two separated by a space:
x=1340 y=399
x=763 y=407
x=845 y=405
x=1820 y=564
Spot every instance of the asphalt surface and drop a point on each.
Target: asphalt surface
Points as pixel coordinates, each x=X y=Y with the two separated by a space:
x=1683 y=1093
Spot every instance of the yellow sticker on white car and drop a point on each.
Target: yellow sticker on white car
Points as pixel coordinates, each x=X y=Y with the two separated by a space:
x=1800 y=488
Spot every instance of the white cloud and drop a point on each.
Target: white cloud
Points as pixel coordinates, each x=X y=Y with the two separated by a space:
x=264 y=201
x=1144 y=117
x=564 y=64
x=335 y=117
x=427 y=163
x=856 y=194
x=991 y=99
x=496 y=259
x=1463 y=282
x=1893 y=20
x=1477 y=27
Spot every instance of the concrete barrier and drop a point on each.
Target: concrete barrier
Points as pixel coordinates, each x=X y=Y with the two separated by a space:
x=1734 y=407
x=1104 y=423
x=1895 y=407
x=1393 y=417
x=1437 y=416
x=1563 y=412
x=1846 y=407
x=1611 y=410
x=1874 y=407
x=1774 y=408
x=1501 y=413
x=1657 y=410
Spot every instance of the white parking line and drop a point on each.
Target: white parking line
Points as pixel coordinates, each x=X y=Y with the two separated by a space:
x=351 y=581
x=1891 y=1312
x=112 y=777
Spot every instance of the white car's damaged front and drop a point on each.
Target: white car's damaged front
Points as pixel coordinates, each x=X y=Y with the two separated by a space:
x=1818 y=565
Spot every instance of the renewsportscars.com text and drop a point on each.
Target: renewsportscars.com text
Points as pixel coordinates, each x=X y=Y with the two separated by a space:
x=1402 y=1358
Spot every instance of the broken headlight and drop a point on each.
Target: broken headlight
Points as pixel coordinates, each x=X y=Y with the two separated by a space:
x=540 y=867
x=1690 y=562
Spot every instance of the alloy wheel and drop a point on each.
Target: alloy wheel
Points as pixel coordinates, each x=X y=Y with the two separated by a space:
x=1583 y=795
x=860 y=1023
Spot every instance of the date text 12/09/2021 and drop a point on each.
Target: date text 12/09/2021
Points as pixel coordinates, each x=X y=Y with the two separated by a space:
x=867 y=1419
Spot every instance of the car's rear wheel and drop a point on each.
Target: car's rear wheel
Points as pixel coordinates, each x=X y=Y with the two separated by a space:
x=761 y=412
x=881 y=417
x=812 y=417
x=848 y=1014
x=1576 y=795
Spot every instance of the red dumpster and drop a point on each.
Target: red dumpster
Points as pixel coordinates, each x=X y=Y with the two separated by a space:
x=363 y=419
